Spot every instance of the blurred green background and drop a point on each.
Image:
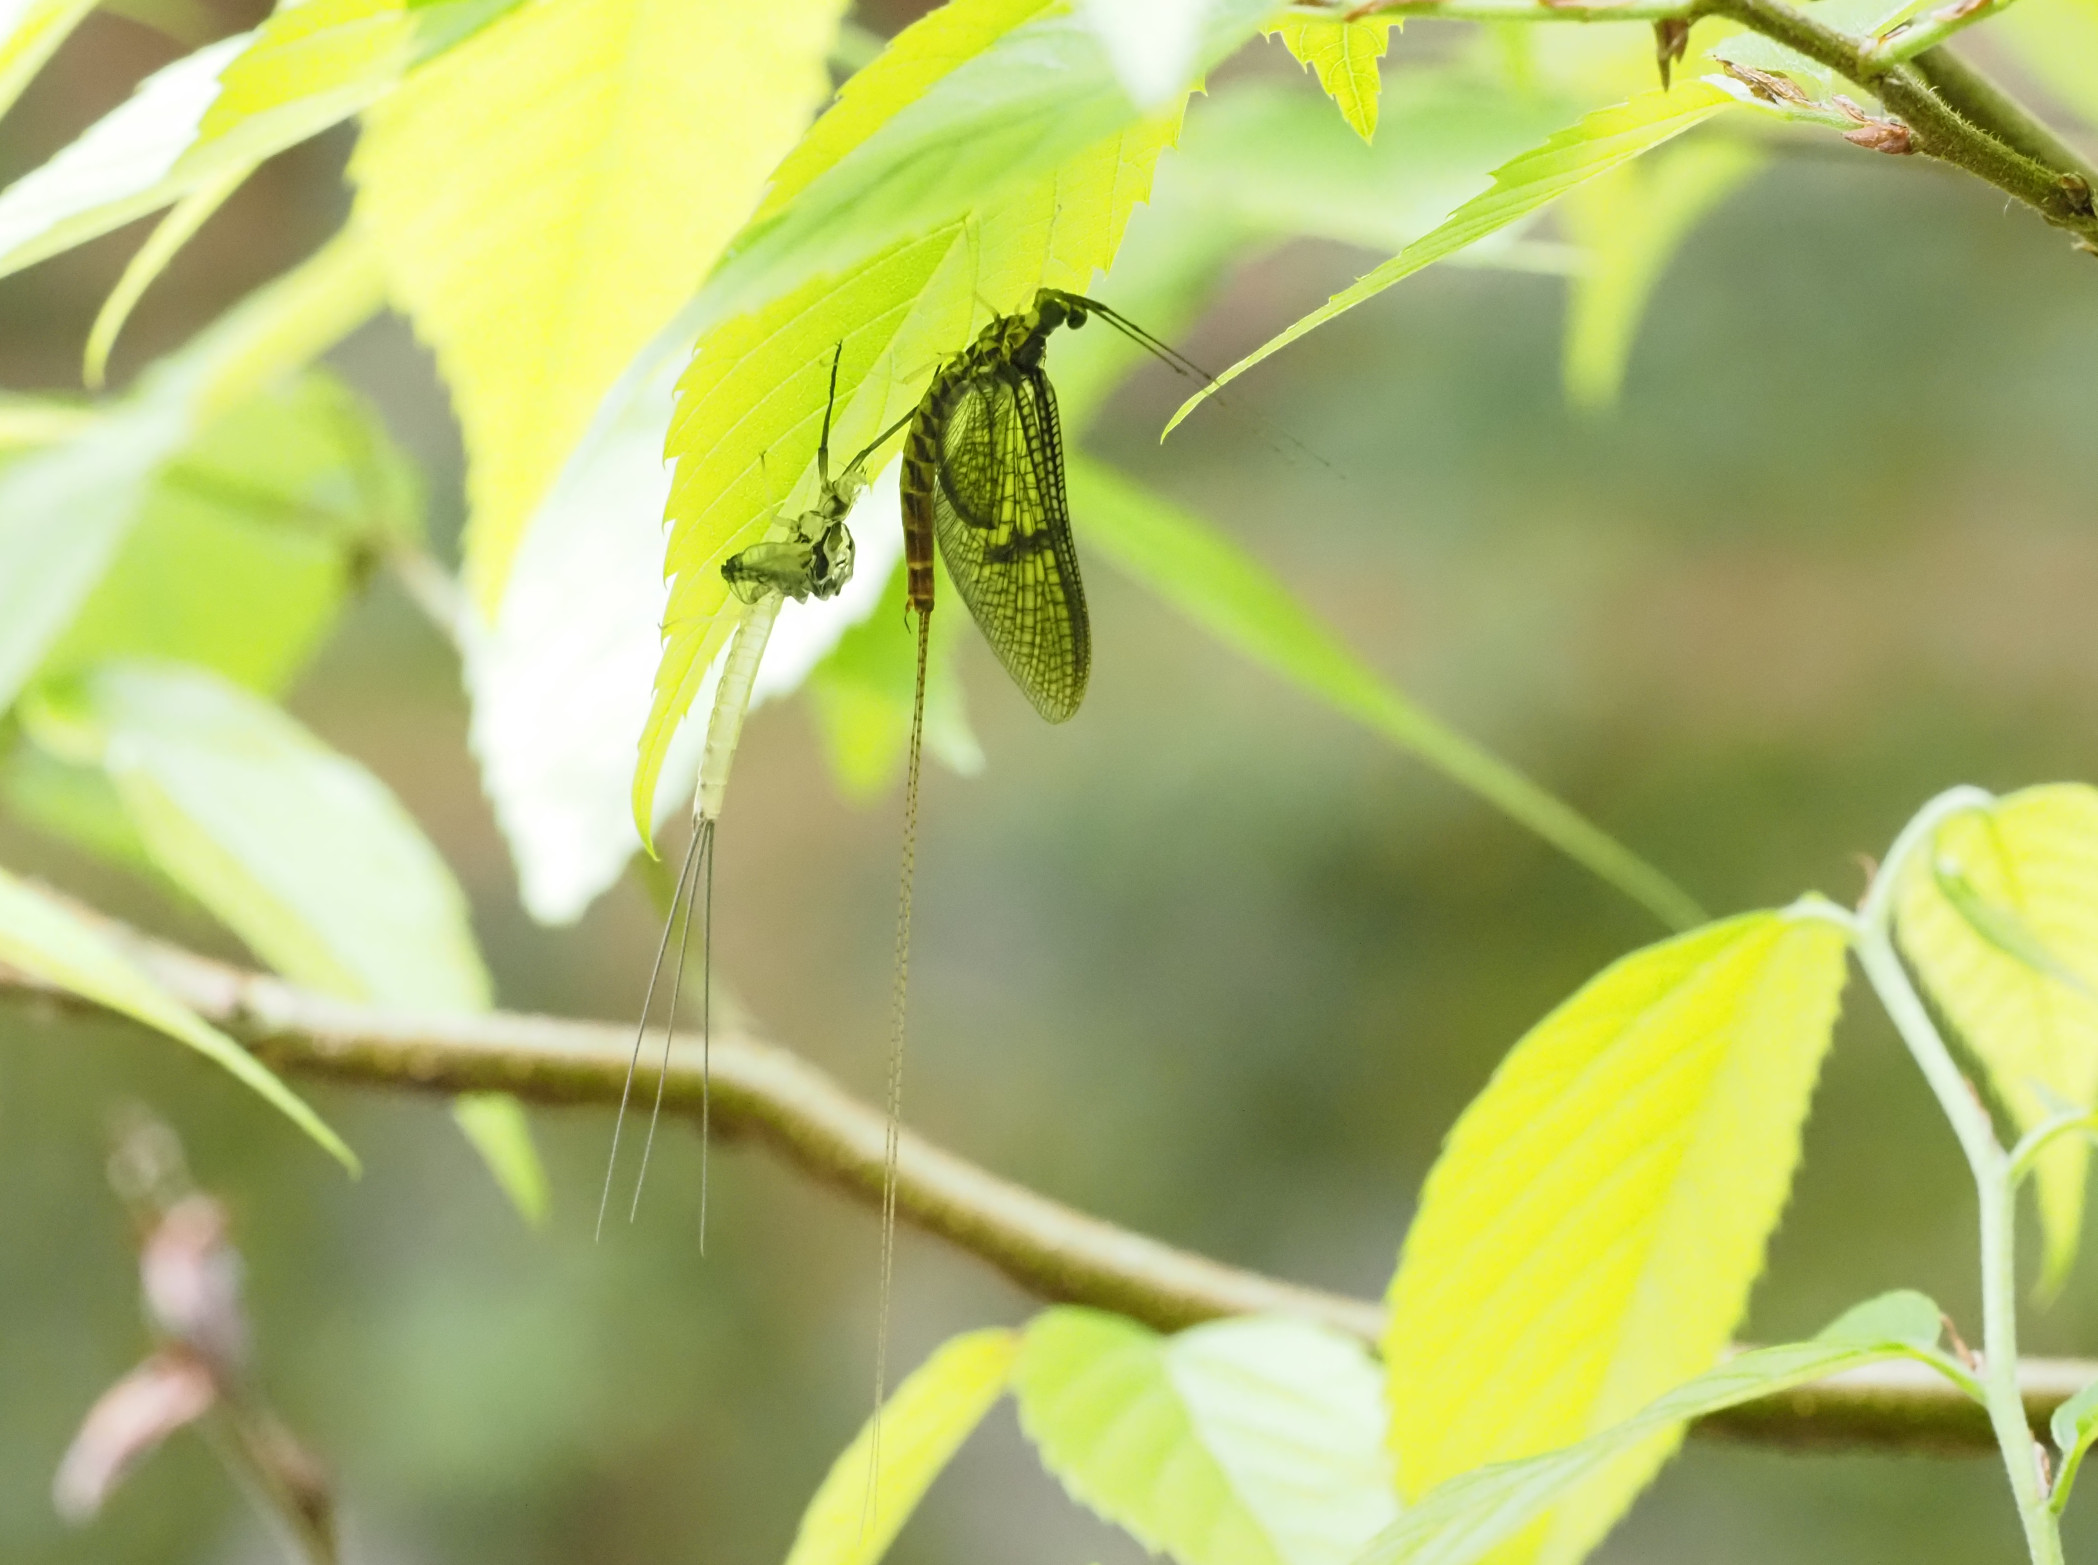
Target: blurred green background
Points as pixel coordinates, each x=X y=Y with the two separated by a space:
x=1208 y=961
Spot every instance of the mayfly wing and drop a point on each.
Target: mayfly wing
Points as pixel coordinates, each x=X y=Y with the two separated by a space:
x=1004 y=527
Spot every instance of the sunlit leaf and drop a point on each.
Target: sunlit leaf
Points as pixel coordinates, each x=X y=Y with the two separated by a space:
x=30 y=33
x=126 y=164
x=2057 y=42
x=990 y=125
x=1631 y=222
x=2074 y=1428
x=547 y=195
x=44 y=938
x=299 y=850
x=496 y=1126
x=2033 y=855
x=750 y=404
x=66 y=510
x=1486 y=1507
x=1231 y=596
x=1600 y=142
x=1590 y=1233
x=173 y=231
x=213 y=116
x=1152 y=46
x=922 y=1425
x=1245 y=1442
x=1345 y=55
x=249 y=539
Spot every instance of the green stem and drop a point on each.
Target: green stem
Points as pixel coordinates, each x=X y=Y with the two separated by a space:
x=1517 y=10
x=1990 y=1165
x=1914 y=38
x=1977 y=99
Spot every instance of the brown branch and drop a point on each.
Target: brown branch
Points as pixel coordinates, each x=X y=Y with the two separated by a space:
x=1048 y=1249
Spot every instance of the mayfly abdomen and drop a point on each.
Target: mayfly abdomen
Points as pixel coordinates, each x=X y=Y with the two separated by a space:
x=739 y=672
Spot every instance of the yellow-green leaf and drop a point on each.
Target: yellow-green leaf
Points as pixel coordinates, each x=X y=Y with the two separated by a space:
x=2033 y=855
x=1345 y=55
x=922 y=1426
x=1243 y=1442
x=546 y=195
x=1630 y=222
x=494 y=1123
x=30 y=33
x=1228 y=594
x=750 y=405
x=1600 y=142
x=1589 y=1236
x=43 y=937
x=1465 y=1518
x=2057 y=41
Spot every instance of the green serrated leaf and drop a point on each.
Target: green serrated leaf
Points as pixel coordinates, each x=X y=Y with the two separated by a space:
x=2032 y=858
x=922 y=1425
x=1345 y=56
x=1590 y=1234
x=1600 y=142
x=1178 y=557
x=1631 y=222
x=541 y=211
x=751 y=402
x=2074 y=1427
x=1487 y=1507
x=1245 y=1442
x=41 y=936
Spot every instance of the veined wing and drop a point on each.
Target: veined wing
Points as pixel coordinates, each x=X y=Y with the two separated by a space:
x=1005 y=532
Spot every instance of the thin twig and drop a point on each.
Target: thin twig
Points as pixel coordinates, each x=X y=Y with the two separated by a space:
x=1047 y=1249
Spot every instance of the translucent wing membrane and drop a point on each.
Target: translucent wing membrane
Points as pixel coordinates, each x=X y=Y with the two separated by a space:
x=1005 y=532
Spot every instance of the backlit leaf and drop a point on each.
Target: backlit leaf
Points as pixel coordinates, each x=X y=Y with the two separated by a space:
x=1244 y=1442
x=2057 y=42
x=750 y=404
x=1600 y=142
x=547 y=194
x=1476 y=1511
x=297 y=849
x=1152 y=46
x=1345 y=55
x=2034 y=855
x=30 y=33
x=922 y=1425
x=213 y=116
x=1631 y=222
x=1231 y=596
x=1590 y=1234
x=65 y=511
x=43 y=937
x=249 y=539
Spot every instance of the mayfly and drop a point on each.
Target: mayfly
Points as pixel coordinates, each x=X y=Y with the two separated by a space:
x=813 y=560
x=983 y=473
